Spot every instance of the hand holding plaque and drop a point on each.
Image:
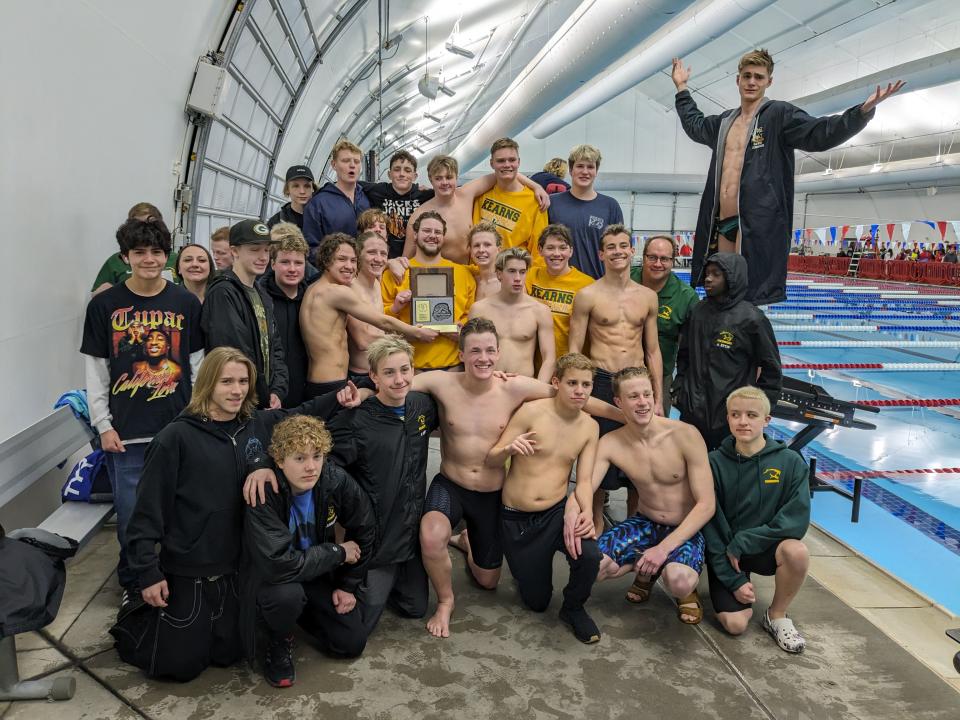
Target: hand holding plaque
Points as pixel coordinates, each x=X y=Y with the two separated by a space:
x=432 y=304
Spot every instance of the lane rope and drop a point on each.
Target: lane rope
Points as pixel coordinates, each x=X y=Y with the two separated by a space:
x=888 y=367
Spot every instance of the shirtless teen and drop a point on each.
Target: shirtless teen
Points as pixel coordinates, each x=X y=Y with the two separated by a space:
x=485 y=242
x=620 y=318
x=748 y=208
x=524 y=325
x=545 y=438
x=373 y=259
x=474 y=408
x=323 y=316
x=455 y=205
x=666 y=461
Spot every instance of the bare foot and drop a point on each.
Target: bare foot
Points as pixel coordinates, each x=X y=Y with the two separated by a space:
x=460 y=541
x=439 y=624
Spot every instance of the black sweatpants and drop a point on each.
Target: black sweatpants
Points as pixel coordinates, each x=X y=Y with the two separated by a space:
x=530 y=540
x=310 y=605
x=402 y=586
x=198 y=628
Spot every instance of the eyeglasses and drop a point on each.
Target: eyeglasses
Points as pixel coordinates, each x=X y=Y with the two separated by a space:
x=658 y=258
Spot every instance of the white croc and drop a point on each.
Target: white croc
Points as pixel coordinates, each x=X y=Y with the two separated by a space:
x=785 y=633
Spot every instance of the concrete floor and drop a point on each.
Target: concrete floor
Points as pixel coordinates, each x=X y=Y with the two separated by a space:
x=504 y=661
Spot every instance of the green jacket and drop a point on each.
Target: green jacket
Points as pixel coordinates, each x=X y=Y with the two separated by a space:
x=760 y=499
x=115 y=270
x=676 y=300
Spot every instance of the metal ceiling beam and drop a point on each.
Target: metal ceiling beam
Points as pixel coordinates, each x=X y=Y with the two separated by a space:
x=926 y=72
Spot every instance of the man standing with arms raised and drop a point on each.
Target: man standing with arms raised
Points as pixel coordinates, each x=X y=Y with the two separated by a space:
x=676 y=300
x=523 y=324
x=585 y=211
x=323 y=316
x=747 y=204
x=620 y=319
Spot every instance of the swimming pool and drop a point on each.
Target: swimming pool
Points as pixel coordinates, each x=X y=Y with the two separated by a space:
x=909 y=523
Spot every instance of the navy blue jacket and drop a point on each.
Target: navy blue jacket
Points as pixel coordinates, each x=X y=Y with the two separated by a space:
x=331 y=211
x=766 y=183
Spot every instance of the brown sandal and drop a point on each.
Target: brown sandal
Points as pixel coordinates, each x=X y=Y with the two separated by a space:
x=642 y=589
x=695 y=612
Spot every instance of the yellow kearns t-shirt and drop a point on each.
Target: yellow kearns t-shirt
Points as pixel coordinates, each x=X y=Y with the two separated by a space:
x=517 y=215
x=557 y=293
x=442 y=352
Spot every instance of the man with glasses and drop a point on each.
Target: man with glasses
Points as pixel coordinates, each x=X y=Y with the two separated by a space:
x=675 y=301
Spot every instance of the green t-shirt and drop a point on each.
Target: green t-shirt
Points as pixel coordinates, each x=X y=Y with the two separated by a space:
x=676 y=300
x=114 y=270
x=261 y=314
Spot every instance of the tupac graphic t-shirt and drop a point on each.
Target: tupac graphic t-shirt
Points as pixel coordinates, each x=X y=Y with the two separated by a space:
x=146 y=342
x=398 y=209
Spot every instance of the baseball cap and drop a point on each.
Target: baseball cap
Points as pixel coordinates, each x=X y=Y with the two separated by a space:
x=299 y=171
x=247 y=232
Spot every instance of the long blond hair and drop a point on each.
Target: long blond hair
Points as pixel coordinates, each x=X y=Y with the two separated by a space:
x=208 y=376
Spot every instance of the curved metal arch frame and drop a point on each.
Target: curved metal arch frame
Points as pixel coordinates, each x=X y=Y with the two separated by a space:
x=239 y=21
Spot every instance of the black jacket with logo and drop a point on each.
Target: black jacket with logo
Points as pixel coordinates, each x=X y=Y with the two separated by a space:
x=271 y=559
x=228 y=320
x=765 y=200
x=189 y=498
x=721 y=348
x=286 y=311
x=387 y=456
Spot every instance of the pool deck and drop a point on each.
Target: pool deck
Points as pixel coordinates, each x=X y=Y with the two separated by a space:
x=875 y=650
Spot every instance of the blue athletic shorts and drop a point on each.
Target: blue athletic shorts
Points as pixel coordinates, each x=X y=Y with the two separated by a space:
x=626 y=541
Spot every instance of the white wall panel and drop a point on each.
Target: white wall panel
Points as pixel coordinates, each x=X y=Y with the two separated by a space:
x=90 y=126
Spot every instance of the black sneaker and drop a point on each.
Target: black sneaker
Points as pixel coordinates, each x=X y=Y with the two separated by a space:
x=278 y=666
x=584 y=628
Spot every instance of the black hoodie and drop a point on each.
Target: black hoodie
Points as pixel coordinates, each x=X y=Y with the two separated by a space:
x=765 y=195
x=722 y=345
x=286 y=311
x=189 y=497
x=228 y=320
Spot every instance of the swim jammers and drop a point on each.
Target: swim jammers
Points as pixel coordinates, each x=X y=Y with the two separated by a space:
x=481 y=510
x=626 y=541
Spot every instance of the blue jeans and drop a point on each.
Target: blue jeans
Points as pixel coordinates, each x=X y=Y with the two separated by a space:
x=124 y=470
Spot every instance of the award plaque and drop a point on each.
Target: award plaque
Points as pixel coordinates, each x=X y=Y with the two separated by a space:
x=432 y=303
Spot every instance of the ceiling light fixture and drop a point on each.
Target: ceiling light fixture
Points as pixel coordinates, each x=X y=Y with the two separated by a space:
x=424 y=137
x=431 y=116
x=445 y=90
x=458 y=50
x=429 y=84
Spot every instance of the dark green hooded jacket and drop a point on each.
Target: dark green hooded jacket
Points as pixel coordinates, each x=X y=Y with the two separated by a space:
x=761 y=500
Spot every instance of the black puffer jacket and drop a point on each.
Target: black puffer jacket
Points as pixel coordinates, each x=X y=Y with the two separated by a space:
x=286 y=311
x=721 y=348
x=766 y=182
x=228 y=320
x=269 y=555
x=387 y=456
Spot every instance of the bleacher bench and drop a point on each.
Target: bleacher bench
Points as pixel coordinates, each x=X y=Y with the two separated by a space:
x=24 y=459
